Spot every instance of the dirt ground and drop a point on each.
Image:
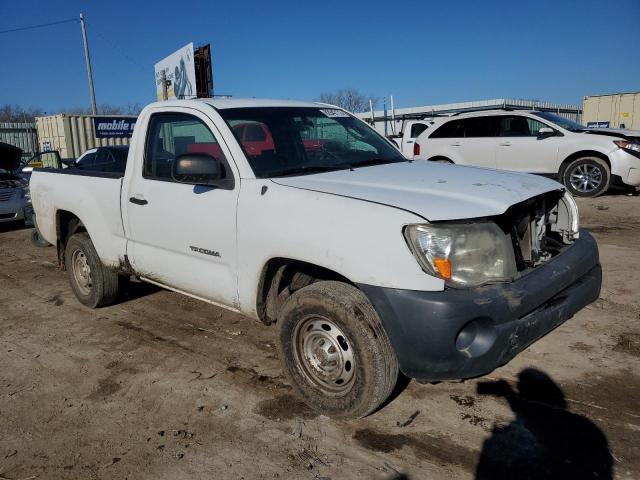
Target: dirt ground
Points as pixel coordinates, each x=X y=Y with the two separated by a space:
x=160 y=386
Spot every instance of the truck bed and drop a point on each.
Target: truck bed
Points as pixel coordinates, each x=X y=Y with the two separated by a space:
x=92 y=196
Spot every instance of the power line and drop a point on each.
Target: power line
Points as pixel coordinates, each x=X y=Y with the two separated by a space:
x=123 y=53
x=19 y=29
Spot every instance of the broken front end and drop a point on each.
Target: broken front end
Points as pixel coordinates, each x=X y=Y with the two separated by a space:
x=527 y=271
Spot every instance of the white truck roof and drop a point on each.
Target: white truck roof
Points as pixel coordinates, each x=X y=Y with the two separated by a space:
x=231 y=102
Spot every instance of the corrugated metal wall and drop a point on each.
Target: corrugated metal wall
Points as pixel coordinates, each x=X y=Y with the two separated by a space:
x=620 y=109
x=72 y=135
x=21 y=135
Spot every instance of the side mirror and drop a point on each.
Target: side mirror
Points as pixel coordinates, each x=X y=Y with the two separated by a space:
x=196 y=168
x=545 y=132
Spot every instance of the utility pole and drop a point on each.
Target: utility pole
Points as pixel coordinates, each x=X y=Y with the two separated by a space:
x=94 y=110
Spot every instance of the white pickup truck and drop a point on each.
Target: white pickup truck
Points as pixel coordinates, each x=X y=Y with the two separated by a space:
x=300 y=215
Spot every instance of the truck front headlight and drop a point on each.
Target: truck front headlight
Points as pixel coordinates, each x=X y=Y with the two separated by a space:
x=463 y=254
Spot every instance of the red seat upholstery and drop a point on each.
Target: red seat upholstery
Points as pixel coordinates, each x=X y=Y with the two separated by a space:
x=212 y=149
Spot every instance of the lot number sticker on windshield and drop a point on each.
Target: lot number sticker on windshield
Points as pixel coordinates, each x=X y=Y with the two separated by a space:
x=334 y=113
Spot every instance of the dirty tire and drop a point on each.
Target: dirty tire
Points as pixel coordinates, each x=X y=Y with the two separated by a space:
x=348 y=315
x=37 y=240
x=102 y=288
x=596 y=169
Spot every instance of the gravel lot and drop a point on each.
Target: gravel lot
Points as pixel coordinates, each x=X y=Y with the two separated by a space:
x=164 y=387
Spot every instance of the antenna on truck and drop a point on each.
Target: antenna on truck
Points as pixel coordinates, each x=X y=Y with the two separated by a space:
x=384 y=108
x=373 y=120
x=393 y=117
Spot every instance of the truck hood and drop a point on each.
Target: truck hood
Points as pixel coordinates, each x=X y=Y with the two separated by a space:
x=10 y=157
x=434 y=191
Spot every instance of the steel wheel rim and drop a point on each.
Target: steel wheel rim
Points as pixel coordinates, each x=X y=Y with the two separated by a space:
x=586 y=178
x=81 y=272
x=324 y=354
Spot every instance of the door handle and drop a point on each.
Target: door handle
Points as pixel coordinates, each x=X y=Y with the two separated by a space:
x=410 y=141
x=138 y=201
x=505 y=144
x=456 y=144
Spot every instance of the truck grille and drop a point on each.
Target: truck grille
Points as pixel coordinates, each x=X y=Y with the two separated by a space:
x=6 y=195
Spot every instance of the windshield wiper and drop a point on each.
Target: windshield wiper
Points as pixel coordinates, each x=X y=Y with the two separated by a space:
x=309 y=169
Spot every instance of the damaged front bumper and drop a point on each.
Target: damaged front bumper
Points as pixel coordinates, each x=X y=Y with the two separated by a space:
x=464 y=333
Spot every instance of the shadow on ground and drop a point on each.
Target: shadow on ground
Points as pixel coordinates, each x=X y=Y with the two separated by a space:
x=133 y=289
x=12 y=226
x=545 y=440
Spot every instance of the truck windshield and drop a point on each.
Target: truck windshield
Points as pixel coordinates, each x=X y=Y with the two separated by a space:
x=280 y=141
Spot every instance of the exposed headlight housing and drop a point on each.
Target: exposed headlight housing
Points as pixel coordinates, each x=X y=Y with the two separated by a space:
x=631 y=147
x=463 y=254
x=566 y=219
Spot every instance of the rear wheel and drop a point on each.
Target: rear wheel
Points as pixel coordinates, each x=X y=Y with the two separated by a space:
x=335 y=352
x=587 y=177
x=93 y=284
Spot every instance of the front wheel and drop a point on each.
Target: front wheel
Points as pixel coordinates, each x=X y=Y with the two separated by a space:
x=93 y=284
x=335 y=351
x=587 y=177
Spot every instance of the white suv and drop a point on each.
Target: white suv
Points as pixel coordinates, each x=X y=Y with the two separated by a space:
x=585 y=160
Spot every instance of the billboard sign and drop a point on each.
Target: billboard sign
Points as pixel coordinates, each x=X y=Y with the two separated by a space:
x=179 y=73
x=108 y=127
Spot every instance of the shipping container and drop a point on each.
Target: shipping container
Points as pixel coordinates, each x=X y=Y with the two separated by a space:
x=72 y=135
x=617 y=110
x=21 y=135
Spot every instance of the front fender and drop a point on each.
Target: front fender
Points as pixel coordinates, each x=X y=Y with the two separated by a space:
x=360 y=240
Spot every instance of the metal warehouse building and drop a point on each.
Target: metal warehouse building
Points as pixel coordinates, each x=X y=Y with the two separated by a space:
x=21 y=135
x=616 y=110
x=572 y=112
x=72 y=135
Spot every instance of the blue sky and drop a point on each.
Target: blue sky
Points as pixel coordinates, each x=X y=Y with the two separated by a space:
x=422 y=52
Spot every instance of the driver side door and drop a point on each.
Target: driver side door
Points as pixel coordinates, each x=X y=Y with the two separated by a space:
x=183 y=235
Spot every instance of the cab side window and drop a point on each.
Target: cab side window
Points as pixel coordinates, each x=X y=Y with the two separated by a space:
x=173 y=134
x=417 y=129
